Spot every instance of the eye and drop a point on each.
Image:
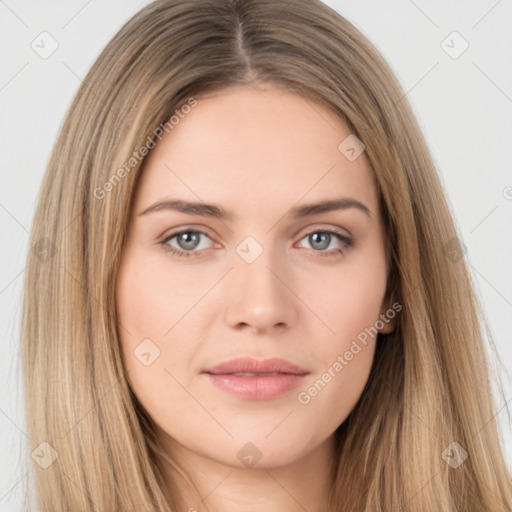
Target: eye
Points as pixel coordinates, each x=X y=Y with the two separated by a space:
x=187 y=241
x=321 y=239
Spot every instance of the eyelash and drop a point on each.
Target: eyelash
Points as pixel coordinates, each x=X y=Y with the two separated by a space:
x=348 y=243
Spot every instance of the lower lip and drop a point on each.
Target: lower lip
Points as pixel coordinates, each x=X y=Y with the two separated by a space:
x=256 y=388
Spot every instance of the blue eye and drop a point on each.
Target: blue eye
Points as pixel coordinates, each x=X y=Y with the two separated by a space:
x=189 y=240
x=320 y=239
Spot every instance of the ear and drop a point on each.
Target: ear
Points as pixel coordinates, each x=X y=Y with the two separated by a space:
x=388 y=316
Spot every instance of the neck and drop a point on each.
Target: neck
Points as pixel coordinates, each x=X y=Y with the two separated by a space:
x=303 y=484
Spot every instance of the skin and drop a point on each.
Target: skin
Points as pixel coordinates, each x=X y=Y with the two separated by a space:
x=256 y=152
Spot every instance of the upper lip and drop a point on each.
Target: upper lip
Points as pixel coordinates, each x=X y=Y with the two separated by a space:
x=251 y=365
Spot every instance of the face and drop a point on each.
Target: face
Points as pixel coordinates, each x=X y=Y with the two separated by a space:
x=254 y=275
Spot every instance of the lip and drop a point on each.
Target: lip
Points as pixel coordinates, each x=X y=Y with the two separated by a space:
x=275 y=377
x=251 y=365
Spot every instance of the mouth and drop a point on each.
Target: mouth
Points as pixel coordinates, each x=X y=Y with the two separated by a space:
x=253 y=379
x=257 y=374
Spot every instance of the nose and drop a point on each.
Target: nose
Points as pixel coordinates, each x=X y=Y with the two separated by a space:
x=261 y=297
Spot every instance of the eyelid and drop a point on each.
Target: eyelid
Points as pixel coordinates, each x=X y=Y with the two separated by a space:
x=169 y=233
x=318 y=226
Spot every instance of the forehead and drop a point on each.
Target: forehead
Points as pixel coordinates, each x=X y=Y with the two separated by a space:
x=248 y=147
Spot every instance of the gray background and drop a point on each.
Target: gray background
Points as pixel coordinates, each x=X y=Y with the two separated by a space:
x=464 y=106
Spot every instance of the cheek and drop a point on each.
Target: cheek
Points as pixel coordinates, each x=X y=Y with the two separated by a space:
x=350 y=304
x=156 y=308
x=150 y=300
x=345 y=360
x=350 y=299
x=333 y=393
x=149 y=313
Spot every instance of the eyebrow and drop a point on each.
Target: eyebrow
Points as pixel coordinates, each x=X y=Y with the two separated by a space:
x=211 y=210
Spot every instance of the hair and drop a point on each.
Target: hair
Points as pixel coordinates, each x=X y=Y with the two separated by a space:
x=429 y=385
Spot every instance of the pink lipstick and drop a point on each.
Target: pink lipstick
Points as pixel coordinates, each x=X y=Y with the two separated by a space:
x=254 y=379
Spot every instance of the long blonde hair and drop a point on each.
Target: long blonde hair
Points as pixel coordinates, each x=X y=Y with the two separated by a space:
x=429 y=386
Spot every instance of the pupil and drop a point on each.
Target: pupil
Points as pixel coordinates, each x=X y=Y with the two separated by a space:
x=188 y=240
x=324 y=243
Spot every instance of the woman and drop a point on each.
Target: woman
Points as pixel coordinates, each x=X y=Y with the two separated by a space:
x=254 y=297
